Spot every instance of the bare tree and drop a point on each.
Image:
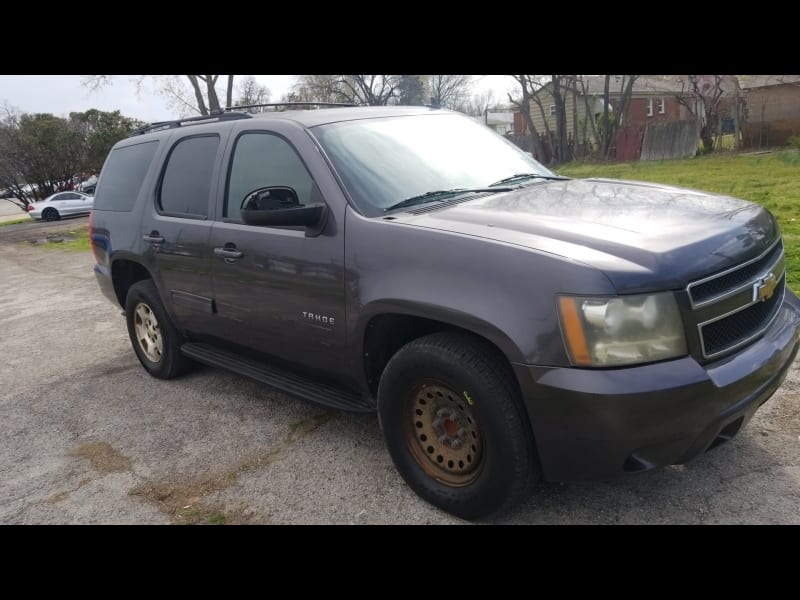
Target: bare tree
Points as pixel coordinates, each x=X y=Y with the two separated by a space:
x=192 y=93
x=590 y=118
x=559 y=86
x=252 y=92
x=529 y=85
x=611 y=121
x=477 y=105
x=313 y=88
x=449 y=91
x=373 y=90
x=701 y=95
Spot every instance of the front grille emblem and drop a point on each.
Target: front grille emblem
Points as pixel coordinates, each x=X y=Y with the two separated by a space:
x=763 y=289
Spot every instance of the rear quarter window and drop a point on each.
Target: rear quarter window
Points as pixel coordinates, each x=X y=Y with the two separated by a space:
x=123 y=175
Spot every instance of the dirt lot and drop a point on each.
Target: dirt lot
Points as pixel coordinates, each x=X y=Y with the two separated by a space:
x=86 y=436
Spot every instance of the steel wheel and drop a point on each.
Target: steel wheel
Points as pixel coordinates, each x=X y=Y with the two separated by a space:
x=148 y=333
x=443 y=434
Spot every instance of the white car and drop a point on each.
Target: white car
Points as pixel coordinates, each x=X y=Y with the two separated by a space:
x=89 y=184
x=62 y=204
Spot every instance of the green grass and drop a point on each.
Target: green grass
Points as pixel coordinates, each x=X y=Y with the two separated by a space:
x=16 y=221
x=772 y=180
x=79 y=241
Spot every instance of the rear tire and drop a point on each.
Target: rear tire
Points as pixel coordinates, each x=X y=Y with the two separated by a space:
x=455 y=426
x=50 y=214
x=154 y=338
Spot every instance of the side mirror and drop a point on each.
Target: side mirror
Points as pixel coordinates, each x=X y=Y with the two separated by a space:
x=279 y=206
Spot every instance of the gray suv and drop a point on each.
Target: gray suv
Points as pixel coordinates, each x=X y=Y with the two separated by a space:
x=507 y=324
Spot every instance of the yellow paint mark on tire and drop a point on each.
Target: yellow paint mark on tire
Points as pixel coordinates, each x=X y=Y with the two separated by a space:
x=469 y=399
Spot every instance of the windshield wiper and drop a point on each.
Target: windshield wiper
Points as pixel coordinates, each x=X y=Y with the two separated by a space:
x=436 y=194
x=520 y=176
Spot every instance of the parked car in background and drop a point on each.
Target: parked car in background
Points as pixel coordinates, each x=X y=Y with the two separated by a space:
x=62 y=204
x=87 y=187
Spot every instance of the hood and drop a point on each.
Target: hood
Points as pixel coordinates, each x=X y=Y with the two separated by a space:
x=643 y=236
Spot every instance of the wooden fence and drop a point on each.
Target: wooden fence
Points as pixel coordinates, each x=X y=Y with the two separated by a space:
x=676 y=139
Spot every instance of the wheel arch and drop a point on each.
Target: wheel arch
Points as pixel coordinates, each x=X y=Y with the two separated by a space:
x=386 y=328
x=124 y=273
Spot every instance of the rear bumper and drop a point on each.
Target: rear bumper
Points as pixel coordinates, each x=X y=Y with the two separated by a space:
x=596 y=424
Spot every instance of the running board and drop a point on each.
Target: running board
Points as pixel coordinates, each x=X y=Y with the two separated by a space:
x=279 y=378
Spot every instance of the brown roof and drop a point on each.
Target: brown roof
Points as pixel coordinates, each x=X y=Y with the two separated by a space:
x=646 y=85
x=757 y=81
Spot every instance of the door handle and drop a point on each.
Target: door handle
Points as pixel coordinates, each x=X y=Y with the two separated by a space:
x=228 y=252
x=153 y=238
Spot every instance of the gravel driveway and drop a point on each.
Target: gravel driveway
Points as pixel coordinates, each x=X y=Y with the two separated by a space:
x=86 y=436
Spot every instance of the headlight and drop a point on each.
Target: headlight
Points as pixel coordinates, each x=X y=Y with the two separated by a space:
x=624 y=330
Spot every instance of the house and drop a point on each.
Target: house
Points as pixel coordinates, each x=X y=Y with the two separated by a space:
x=772 y=109
x=501 y=122
x=667 y=102
x=654 y=98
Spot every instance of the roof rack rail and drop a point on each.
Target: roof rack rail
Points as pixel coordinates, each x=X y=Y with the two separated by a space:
x=216 y=115
x=277 y=104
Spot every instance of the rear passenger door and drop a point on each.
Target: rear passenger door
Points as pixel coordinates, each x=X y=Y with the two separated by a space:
x=176 y=229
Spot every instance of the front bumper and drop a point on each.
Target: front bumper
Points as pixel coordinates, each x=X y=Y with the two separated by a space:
x=595 y=424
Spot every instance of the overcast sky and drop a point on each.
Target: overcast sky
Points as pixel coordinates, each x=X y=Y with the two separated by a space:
x=62 y=94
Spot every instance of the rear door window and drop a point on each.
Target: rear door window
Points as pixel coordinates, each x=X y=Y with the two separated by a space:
x=186 y=184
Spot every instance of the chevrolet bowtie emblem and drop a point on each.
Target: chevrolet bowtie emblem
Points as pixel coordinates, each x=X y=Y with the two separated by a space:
x=763 y=290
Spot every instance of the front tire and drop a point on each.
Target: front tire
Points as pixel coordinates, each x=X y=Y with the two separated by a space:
x=154 y=338
x=455 y=426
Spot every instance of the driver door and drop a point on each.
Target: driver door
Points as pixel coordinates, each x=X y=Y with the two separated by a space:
x=277 y=290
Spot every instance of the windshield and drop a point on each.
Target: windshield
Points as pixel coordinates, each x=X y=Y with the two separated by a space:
x=386 y=160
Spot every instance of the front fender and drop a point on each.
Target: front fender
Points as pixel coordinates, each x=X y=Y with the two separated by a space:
x=503 y=292
x=443 y=314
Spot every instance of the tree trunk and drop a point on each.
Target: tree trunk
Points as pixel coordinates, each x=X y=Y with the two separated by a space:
x=606 y=137
x=213 y=101
x=229 y=95
x=574 y=148
x=547 y=131
x=589 y=115
x=707 y=135
x=560 y=140
x=198 y=94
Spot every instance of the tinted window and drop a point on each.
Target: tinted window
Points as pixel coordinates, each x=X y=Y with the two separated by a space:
x=123 y=175
x=70 y=196
x=264 y=160
x=58 y=198
x=187 y=180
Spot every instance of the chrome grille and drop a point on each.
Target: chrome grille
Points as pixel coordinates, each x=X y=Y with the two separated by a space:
x=711 y=288
x=734 y=331
x=734 y=307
